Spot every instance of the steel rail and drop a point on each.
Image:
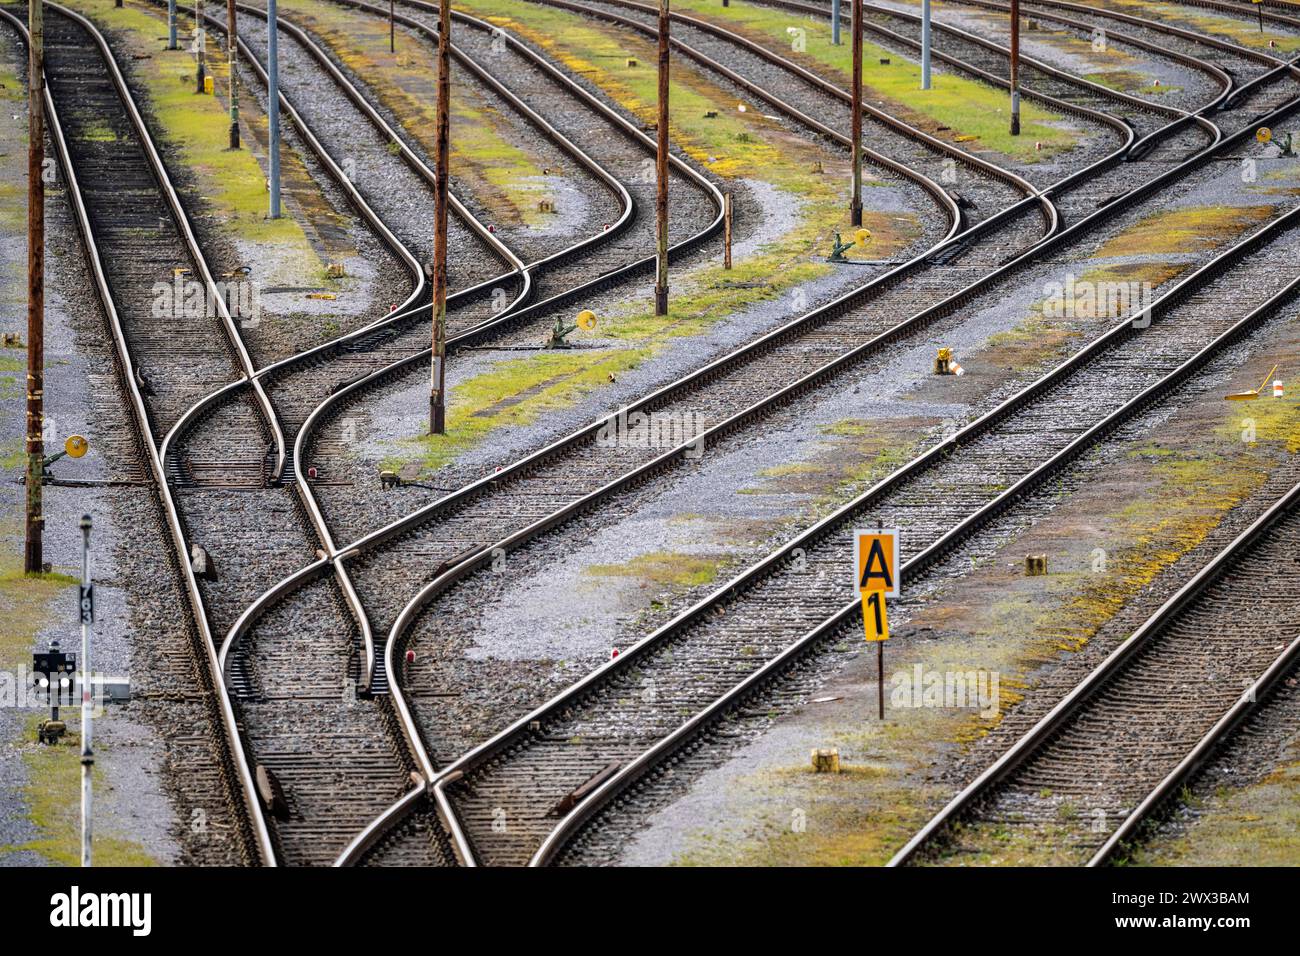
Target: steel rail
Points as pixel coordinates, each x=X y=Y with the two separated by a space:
x=1054 y=720
x=1134 y=151
x=311 y=505
x=820 y=83
x=368 y=837
x=600 y=797
x=445 y=810
x=1242 y=52
x=1137 y=42
x=265 y=848
x=1048 y=69
x=233 y=748
x=236 y=341
x=1187 y=767
x=290 y=584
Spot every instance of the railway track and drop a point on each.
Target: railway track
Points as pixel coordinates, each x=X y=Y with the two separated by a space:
x=310 y=748
x=101 y=99
x=1129 y=736
x=181 y=507
x=1159 y=133
x=760 y=624
x=1242 y=62
x=473 y=561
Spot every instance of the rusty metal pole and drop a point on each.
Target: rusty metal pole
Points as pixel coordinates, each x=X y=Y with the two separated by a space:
x=200 y=43
x=232 y=43
x=726 y=232
x=33 y=559
x=437 y=392
x=855 y=208
x=1015 y=67
x=661 y=169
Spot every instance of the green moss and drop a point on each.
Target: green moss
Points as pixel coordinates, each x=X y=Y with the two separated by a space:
x=1190 y=229
x=52 y=794
x=663 y=568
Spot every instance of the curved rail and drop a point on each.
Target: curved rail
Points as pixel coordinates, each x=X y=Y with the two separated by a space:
x=232 y=744
x=469 y=564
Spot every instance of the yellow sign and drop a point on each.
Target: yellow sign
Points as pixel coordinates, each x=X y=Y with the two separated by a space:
x=875 y=618
x=76 y=446
x=1264 y=134
x=586 y=320
x=862 y=236
x=875 y=560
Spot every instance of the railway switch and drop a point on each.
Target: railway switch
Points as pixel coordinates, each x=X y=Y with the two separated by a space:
x=389 y=480
x=838 y=248
x=1035 y=565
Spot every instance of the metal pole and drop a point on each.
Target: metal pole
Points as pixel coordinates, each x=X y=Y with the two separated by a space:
x=835 y=22
x=661 y=168
x=925 y=44
x=87 y=753
x=726 y=231
x=1015 y=67
x=273 y=105
x=438 y=386
x=880 y=675
x=232 y=45
x=855 y=208
x=200 y=42
x=171 y=24
x=392 y=40
x=33 y=560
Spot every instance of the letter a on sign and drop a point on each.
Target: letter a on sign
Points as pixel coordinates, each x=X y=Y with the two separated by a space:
x=875 y=556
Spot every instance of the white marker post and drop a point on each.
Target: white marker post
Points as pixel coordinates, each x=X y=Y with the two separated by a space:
x=925 y=44
x=87 y=609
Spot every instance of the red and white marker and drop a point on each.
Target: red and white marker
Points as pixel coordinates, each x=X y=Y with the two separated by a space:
x=410 y=657
x=1277 y=388
x=613 y=653
x=311 y=472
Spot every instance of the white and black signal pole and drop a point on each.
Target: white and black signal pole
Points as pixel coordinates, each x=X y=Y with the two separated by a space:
x=87 y=608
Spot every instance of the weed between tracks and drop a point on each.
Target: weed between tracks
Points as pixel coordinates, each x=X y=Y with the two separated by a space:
x=506 y=177
x=232 y=182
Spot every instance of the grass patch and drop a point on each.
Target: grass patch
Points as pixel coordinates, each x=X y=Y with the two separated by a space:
x=52 y=794
x=514 y=392
x=663 y=568
x=1193 y=229
x=484 y=154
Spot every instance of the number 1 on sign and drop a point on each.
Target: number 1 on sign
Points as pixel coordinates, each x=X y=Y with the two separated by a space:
x=875 y=616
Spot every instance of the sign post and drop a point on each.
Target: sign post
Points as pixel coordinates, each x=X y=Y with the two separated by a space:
x=87 y=610
x=876 y=565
